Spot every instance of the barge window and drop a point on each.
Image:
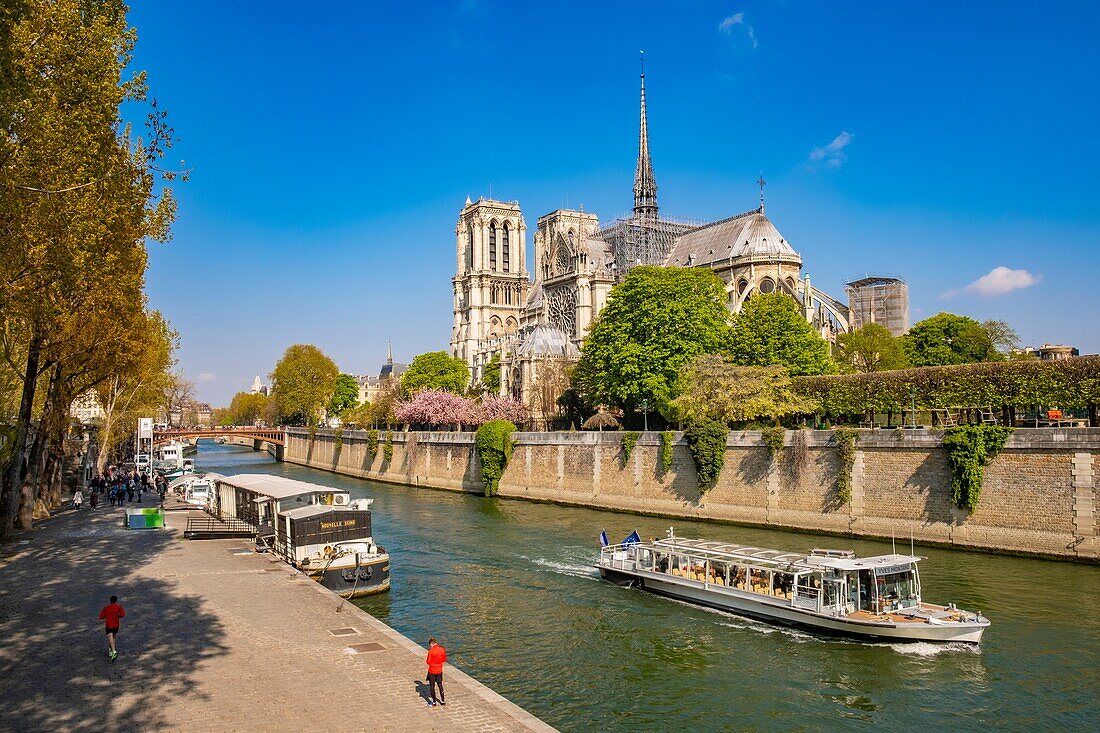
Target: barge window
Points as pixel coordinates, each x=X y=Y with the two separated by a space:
x=898 y=589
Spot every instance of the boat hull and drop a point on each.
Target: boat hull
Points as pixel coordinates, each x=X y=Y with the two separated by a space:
x=350 y=580
x=759 y=607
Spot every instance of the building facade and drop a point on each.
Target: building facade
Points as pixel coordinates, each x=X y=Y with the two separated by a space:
x=500 y=311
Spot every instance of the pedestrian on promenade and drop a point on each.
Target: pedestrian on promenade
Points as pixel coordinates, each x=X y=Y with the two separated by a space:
x=78 y=498
x=110 y=614
x=437 y=655
x=93 y=499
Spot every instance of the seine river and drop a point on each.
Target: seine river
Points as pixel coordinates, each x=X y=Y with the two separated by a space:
x=507 y=586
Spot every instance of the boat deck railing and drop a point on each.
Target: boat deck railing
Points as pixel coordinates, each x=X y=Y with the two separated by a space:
x=221 y=527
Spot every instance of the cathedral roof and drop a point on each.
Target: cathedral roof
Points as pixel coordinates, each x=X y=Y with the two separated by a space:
x=545 y=340
x=749 y=236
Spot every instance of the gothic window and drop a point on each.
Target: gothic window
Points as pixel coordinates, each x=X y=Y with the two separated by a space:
x=507 y=295
x=470 y=251
x=493 y=246
x=564 y=262
x=767 y=285
x=504 y=250
x=742 y=286
x=561 y=306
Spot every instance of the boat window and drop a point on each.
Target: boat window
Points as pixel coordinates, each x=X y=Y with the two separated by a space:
x=737 y=575
x=866 y=590
x=663 y=562
x=325 y=498
x=718 y=572
x=897 y=590
x=783 y=583
x=760 y=581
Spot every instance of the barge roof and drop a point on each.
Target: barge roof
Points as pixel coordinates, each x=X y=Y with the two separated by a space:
x=777 y=559
x=276 y=487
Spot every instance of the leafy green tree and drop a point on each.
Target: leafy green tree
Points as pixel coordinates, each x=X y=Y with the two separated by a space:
x=656 y=320
x=870 y=349
x=303 y=382
x=345 y=395
x=435 y=370
x=771 y=330
x=946 y=338
x=490 y=378
x=713 y=388
x=1002 y=334
x=245 y=408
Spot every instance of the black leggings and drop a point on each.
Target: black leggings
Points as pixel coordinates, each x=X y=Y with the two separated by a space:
x=433 y=680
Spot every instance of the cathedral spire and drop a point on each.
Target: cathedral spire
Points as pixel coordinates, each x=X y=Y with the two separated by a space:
x=645 y=186
x=389 y=350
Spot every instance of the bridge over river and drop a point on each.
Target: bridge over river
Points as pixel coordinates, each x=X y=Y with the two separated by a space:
x=260 y=437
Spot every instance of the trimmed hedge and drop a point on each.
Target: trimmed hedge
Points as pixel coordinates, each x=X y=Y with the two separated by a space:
x=494 y=447
x=1069 y=383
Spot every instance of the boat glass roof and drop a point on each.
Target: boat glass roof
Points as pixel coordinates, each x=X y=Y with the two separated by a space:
x=776 y=559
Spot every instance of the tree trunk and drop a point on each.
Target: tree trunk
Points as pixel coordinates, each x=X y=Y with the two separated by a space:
x=28 y=491
x=9 y=499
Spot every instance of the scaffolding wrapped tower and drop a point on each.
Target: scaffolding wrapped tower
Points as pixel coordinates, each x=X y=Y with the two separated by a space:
x=881 y=300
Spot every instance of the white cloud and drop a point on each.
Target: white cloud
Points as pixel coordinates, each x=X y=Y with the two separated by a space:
x=998 y=281
x=207 y=377
x=832 y=155
x=738 y=19
x=728 y=23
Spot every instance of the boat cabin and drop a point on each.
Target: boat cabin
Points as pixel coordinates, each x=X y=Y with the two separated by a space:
x=171 y=453
x=293 y=515
x=833 y=582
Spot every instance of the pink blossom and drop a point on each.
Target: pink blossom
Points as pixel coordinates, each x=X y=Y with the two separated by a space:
x=434 y=407
x=493 y=407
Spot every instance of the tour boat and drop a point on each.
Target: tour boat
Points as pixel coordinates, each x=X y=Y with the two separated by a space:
x=827 y=591
x=196 y=489
x=320 y=530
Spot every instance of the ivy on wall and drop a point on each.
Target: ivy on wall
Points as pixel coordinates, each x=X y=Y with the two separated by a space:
x=667 y=439
x=337 y=443
x=372 y=445
x=773 y=438
x=706 y=440
x=846 y=451
x=387 y=449
x=630 y=439
x=970 y=448
x=493 y=441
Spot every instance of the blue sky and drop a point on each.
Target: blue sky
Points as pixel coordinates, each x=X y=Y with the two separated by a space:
x=331 y=148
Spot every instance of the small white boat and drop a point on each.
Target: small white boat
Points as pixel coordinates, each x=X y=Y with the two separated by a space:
x=196 y=489
x=827 y=591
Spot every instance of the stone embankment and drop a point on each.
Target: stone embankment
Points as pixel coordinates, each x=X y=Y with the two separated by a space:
x=1038 y=495
x=215 y=638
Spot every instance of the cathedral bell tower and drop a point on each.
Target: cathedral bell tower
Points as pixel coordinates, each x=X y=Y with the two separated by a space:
x=491 y=281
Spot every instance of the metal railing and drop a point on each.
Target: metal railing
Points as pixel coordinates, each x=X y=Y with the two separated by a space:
x=211 y=527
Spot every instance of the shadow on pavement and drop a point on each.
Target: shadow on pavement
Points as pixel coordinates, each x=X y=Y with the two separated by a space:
x=53 y=663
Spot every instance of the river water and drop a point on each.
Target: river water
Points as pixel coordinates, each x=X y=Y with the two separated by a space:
x=508 y=587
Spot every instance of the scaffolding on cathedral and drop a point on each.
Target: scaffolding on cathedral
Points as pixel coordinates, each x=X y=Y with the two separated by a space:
x=637 y=240
x=881 y=300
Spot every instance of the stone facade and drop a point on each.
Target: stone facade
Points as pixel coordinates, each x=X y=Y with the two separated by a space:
x=1037 y=498
x=577 y=262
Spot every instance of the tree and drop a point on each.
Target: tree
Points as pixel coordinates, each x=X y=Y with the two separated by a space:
x=345 y=395
x=435 y=407
x=435 y=370
x=79 y=197
x=382 y=409
x=770 y=330
x=946 y=338
x=358 y=416
x=303 y=382
x=490 y=377
x=711 y=387
x=246 y=408
x=1003 y=335
x=871 y=348
x=656 y=320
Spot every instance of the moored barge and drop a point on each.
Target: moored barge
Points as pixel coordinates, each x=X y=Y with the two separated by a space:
x=320 y=530
x=826 y=591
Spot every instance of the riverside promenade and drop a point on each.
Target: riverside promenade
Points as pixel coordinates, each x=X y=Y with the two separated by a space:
x=214 y=639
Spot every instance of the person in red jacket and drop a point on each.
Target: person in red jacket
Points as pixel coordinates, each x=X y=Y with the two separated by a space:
x=110 y=614
x=437 y=655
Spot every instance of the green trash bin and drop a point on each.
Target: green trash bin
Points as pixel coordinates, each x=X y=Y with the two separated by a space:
x=142 y=518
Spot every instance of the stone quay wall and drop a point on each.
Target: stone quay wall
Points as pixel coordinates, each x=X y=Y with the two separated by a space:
x=1038 y=496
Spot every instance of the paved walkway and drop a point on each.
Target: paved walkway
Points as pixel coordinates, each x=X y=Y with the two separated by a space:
x=214 y=639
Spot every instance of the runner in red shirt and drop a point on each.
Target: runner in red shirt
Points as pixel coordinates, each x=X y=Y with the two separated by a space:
x=110 y=614
x=437 y=655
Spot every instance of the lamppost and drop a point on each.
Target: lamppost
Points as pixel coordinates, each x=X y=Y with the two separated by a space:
x=913 y=396
x=645 y=416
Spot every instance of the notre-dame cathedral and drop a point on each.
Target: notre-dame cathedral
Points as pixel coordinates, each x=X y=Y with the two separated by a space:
x=535 y=326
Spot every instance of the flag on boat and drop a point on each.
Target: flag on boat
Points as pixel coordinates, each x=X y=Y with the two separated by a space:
x=603 y=539
x=632 y=538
